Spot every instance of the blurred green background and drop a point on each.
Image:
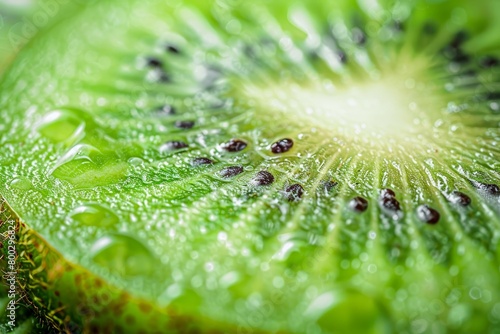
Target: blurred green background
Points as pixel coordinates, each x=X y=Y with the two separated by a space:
x=21 y=20
x=12 y=15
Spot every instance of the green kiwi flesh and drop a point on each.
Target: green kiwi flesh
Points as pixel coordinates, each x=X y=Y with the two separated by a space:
x=247 y=167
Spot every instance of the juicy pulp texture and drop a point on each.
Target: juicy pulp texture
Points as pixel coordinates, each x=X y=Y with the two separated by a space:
x=219 y=166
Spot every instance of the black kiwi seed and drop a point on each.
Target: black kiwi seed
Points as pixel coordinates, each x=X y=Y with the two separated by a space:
x=470 y=72
x=249 y=51
x=172 y=49
x=358 y=36
x=163 y=78
x=154 y=62
x=459 y=198
x=184 y=124
x=489 y=188
x=294 y=192
x=398 y=25
x=231 y=171
x=427 y=214
x=387 y=193
x=166 y=110
x=358 y=204
x=454 y=50
x=201 y=161
x=158 y=75
x=390 y=203
x=234 y=145
x=174 y=145
x=492 y=189
x=282 y=145
x=488 y=62
x=459 y=38
x=329 y=185
x=342 y=57
x=263 y=178
x=492 y=96
x=460 y=57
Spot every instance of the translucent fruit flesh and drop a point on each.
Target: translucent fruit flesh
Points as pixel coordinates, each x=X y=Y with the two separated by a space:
x=259 y=238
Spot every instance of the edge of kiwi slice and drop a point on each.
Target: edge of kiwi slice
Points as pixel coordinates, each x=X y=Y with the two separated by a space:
x=69 y=298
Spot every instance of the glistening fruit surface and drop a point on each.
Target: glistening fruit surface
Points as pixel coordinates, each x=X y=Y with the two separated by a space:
x=254 y=166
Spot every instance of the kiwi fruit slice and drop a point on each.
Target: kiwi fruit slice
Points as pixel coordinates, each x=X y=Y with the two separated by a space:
x=258 y=167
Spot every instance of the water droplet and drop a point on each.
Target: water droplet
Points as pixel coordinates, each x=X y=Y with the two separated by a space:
x=85 y=166
x=322 y=303
x=61 y=125
x=82 y=152
x=475 y=293
x=21 y=183
x=123 y=254
x=209 y=266
x=345 y=306
x=184 y=124
x=278 y=282
x=229 y=279
x=135 y=161
x=93 y=214
x=288 y=249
